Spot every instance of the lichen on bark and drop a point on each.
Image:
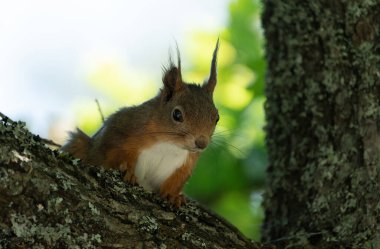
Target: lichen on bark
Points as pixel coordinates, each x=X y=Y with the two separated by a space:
x=51 y=200
x=323 y=123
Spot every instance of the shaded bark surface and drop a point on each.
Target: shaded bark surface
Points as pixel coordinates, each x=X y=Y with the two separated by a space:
x=50 y=200
x=323 y=123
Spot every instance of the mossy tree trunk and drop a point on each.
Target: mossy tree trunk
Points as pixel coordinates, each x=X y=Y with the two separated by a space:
x=323 y=123
x=49 y=200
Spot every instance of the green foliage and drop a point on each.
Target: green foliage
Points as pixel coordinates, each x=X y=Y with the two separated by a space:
x=231 y=173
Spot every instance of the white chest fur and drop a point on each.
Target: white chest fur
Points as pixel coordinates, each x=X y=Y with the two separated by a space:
x=157 y=163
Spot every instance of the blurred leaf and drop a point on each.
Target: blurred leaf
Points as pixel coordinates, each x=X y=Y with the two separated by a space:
x=125 y=87
x=243 y=211
x=234 y=165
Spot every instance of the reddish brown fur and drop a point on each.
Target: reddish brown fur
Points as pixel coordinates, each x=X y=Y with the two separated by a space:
x=78 y=144
x=125 y=156
x=171 y=188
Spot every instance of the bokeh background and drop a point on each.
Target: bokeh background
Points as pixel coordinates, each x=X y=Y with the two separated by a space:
x=57 y=57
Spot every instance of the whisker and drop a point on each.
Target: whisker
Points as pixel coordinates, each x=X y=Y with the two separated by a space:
x=223 y=142
x=211 y=148
x=214 y=151
x=227 y=131
x=219 y=146
x=239 y=136
x=236 y=148
x=219 y=137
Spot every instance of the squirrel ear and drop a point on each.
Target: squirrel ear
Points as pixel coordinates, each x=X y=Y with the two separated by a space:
x=211 y=83
x=172 y=78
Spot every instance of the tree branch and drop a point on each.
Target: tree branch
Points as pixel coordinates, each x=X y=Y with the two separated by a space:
x=51 y=200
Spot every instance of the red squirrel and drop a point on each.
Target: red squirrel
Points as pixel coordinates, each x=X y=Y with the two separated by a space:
x=158 y=142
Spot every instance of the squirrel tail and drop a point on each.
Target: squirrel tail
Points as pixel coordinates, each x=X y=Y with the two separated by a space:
x=78 y=144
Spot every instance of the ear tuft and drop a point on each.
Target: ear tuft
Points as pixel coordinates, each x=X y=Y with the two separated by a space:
x=211 y=83
x=172 y=77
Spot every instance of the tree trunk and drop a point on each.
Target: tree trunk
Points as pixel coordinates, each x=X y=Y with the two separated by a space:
x=323 y=123
x=49 y=200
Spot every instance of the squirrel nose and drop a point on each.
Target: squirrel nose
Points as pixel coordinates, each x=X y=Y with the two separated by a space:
x=201 y=142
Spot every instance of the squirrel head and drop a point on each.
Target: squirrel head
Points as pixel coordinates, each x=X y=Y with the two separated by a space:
x=188 y=113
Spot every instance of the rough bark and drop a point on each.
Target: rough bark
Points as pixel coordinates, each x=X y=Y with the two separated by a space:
x=323 y=123
x=50 y=200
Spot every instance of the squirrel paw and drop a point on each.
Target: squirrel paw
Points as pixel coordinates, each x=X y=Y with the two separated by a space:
x=129 y=175
x=130 y=178
x=175 y=200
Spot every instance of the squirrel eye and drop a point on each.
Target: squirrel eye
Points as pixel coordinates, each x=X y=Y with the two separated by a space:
x=217 y=118
x=177 y=115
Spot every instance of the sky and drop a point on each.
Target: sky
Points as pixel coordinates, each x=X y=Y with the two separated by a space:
x=47 y=48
